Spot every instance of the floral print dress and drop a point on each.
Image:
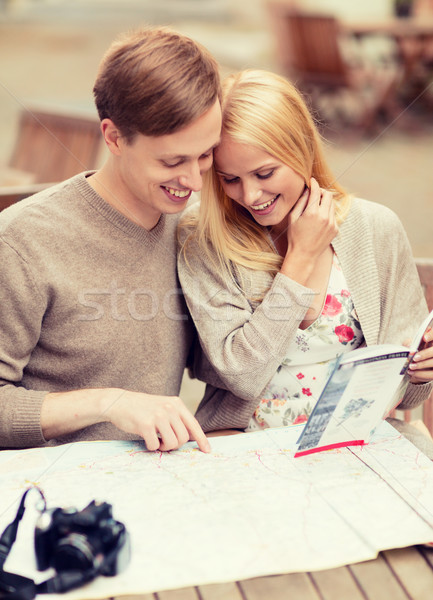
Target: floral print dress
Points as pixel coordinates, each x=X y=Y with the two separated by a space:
x=292 y=393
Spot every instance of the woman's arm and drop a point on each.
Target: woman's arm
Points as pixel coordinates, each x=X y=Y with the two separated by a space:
x=246 y=341
x=403 y=303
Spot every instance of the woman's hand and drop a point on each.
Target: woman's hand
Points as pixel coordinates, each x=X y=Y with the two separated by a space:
x=312 y=224
x=312 y=227
x=421 y=368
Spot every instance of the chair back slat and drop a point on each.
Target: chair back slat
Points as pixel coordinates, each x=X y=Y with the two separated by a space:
x=55 y=146
x=316 y=55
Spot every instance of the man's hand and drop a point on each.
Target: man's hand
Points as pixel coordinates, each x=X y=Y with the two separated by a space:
x=163 y=422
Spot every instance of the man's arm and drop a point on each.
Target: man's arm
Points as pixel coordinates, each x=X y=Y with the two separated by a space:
x=72 y=354
x=163 y=422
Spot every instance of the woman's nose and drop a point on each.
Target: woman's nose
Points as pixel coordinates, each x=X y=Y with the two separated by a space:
x=251 y=193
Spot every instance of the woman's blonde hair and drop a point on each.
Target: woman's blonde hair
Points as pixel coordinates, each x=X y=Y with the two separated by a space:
x=264 y=110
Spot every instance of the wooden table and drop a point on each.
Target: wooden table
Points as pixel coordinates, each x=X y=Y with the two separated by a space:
x=400 y=574
x=410 y=27
x=397 y=574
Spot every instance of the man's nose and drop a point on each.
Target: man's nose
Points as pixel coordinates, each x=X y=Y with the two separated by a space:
x=192 y=178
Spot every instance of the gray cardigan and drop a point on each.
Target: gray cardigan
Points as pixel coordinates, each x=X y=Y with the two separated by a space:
x=244 y=342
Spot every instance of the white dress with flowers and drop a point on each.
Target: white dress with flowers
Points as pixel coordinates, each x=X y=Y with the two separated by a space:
x=292 y=393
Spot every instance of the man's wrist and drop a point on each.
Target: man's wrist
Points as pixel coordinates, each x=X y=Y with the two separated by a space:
x=106 y=400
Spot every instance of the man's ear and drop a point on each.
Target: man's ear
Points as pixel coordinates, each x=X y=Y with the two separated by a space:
x=111 y=136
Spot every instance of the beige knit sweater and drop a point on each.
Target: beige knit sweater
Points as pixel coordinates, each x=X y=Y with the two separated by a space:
x=245 y=341
x=88 y=299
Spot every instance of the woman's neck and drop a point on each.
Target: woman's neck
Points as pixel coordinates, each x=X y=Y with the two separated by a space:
x=278 y=234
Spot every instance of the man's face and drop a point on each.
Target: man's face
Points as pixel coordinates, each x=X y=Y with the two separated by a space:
x=157 y=175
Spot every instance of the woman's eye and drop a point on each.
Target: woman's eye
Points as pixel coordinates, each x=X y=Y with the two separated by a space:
x=265 y=175
x=229 y=180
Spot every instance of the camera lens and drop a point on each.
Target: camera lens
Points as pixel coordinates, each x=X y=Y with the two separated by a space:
x=75 y=552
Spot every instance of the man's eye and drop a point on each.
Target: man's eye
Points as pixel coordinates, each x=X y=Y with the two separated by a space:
x=172 y=165
x=265 y=175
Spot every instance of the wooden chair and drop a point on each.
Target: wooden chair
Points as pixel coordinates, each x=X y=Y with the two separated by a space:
x=425 y=272
x=14 y=193
x=309 y=51
x=53 y=145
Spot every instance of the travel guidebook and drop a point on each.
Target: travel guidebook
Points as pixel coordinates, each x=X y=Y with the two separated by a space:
x=365 y=385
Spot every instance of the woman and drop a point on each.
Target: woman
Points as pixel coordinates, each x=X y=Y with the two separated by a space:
x=282 y=270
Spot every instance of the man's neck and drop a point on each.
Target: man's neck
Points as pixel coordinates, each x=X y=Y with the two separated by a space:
x=110 y=189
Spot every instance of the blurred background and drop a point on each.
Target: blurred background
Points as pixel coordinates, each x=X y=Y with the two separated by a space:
x=50 y=50
x=365 y=68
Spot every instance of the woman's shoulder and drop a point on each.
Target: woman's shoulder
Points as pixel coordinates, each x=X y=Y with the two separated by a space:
x=372 y=215
x=188 y=220
x=193 y=248
x=371 y=227
x=191 y=212
x=369 y=208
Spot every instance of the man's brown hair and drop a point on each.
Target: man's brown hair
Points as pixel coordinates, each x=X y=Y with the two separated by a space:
x=155 y=81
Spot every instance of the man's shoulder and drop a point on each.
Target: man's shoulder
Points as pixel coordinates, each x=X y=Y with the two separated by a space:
x=39 y=219
x=24 y=211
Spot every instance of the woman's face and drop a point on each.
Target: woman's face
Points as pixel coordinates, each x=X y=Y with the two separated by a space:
x=256 y=180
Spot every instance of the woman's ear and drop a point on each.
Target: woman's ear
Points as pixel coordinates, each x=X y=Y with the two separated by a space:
x=111 y=136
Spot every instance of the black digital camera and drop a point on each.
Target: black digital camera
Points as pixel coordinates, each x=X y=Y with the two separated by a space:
x=86 y=540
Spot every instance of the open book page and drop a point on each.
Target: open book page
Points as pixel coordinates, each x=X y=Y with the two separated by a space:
x=365 y=385
x=353 y=401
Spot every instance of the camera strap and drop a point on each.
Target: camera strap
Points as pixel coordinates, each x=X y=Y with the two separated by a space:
x=9 y=535
x=17 y=587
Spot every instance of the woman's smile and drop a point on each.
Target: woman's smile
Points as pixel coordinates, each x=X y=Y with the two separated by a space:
x=266 y=207
x=256 y=180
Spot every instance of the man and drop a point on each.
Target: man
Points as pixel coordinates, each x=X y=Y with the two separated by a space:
x=94 y=334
